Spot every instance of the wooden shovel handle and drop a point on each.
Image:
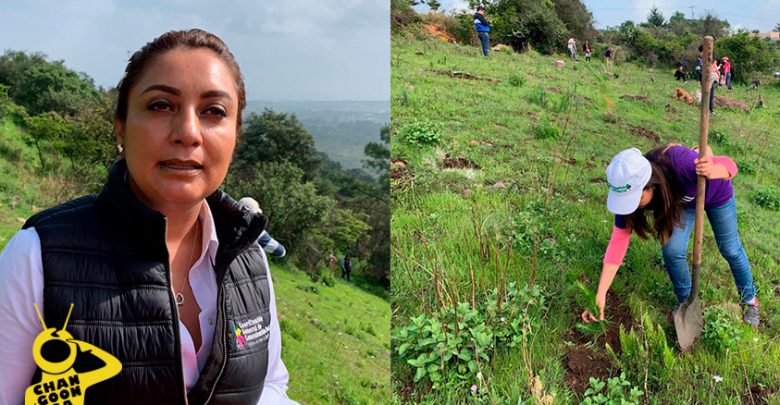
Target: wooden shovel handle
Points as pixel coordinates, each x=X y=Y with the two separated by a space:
x=701 y=184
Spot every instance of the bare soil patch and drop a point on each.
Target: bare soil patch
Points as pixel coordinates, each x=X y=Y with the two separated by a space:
x=438 y=31
x=582 y=361
x=636 y=99
x=463 y=75
x=756 y=396
x=459 y=162
x=730 y=103
x=561 y=159
x=645 y=133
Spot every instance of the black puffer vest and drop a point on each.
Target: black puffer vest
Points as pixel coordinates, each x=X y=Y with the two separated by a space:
x=107 y=255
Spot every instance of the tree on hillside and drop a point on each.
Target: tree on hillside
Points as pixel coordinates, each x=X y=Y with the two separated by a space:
x=655 y=18
x=378 y=156
x=402 y=13
x=713 y=26
x=577 y=18
x=276 y=137
x=677 y=23
x=377 y=243
x=528 y=22
x=434 y=5
x=292 y=205
x=42 y=86
x=13 y=64
x=777 y=28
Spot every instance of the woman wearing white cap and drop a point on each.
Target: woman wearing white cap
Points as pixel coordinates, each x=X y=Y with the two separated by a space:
x=662 y=184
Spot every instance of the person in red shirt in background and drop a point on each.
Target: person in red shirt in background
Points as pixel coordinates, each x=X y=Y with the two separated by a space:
x=586 y=50
x=727 y=71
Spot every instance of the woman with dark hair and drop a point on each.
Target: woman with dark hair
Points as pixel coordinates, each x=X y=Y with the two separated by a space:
x=655 y=195
x=164 y=269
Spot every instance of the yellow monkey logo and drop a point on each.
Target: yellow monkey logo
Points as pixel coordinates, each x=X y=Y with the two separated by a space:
x=55 y=352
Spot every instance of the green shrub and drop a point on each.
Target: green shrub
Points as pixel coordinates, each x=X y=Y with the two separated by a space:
x=517 y=80
x=769 y=198
x=447 y=346
x=619 y=391
x=746 y=167
x=719 y=137
x=644 y=346
x=546 y=131
x=720 y=332
x=327 y=278
x=420 y=133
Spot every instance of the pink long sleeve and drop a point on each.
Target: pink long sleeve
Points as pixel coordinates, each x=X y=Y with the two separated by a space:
x=618 y=246
x=728 y=163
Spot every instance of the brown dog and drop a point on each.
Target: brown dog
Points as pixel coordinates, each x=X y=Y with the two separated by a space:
x=683 y=95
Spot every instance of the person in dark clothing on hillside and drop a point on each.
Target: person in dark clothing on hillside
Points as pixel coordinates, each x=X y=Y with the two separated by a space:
x=483 y=27
x=698 y=64
x=679 y=74
x=346 y=268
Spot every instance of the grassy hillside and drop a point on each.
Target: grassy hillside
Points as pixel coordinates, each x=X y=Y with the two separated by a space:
x=514 y=190
x=336 y=339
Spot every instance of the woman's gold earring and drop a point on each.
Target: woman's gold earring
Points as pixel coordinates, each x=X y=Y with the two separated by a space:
x=120 y=148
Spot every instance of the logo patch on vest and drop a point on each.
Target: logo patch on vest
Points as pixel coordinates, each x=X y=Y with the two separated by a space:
x=250 y=332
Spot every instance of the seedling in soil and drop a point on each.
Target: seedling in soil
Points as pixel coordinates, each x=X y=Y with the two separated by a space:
x=593 y=329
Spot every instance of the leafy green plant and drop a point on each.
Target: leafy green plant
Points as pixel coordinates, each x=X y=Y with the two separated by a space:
x=644 y=351
x=327 y=278
x=545 y=130
x=719 y=137
x=449 y=345
x=587 y=299
x=516 y=80
x=619 y=391
x=746 y=167
x=769 y=198
x=420 y=133
x=720 y=332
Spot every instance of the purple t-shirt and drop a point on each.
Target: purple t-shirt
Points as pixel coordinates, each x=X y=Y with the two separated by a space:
x=683 y=167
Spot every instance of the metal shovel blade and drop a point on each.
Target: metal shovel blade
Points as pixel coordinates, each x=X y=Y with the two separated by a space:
x=688 y=323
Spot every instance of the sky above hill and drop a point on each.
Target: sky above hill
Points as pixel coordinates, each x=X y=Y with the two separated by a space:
x=287 y=49
x=751 y=14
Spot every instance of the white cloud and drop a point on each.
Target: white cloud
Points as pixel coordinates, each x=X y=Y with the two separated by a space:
x=294 y=49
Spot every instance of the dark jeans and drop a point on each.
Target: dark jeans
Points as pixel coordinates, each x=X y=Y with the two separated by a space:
x=712 y=94
x=484 y=38
x=724 y=225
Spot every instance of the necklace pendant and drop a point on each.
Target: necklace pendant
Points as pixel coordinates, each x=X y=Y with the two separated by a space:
x=179 y=298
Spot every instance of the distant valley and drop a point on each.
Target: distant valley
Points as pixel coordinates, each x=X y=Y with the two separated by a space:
x=341 y=129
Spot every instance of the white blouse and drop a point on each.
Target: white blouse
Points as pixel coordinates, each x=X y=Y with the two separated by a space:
x=21 y=285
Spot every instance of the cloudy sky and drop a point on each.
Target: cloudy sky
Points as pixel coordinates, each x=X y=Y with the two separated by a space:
x=750 y=14
x=287 y=49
